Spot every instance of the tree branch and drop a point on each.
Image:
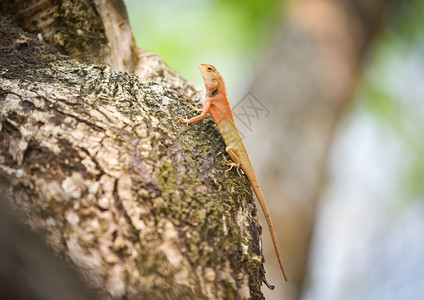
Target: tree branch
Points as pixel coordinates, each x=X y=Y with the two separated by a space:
x=138 y=203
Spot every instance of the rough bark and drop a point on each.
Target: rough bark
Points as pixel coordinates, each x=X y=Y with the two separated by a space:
x=94 y=160
x=306 y=81
x=29 y=269
x=94 y=32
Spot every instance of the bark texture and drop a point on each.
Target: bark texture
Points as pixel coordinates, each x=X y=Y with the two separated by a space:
x=96 y=32
x=29 y=269
x=94 y=160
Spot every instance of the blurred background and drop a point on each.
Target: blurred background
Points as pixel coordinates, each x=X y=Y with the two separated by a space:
x=335 y=131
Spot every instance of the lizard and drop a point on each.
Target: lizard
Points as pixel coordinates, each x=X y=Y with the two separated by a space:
x=217 y=105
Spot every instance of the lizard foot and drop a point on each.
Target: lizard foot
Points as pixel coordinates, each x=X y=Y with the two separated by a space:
x=232 y=164
x=182 y=119
x=194 y=108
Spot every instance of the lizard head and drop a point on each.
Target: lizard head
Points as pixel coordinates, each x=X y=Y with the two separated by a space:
x=210 y=77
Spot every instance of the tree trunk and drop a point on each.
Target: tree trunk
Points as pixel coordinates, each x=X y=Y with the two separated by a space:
x=93 y=159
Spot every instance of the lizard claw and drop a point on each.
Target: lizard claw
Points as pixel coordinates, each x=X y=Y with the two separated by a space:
x=181 y=119
x=232 y=164
x=194 y=108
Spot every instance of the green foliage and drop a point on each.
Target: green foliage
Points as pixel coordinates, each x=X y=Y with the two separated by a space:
x=408 y=24
x=228 y=34
x=392 y=91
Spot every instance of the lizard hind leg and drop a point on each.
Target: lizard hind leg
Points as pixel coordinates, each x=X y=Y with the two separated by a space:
x=231 y=163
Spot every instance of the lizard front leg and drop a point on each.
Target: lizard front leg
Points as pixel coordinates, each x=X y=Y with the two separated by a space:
x=195 y=108
x=205 y=111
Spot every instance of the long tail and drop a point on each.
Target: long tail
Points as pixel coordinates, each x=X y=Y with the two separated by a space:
x=258 y=192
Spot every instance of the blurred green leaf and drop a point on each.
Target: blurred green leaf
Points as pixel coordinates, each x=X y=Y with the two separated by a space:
x=229 y=34
x=392 y=90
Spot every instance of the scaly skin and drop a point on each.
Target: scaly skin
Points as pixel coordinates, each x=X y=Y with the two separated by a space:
x=217 y=105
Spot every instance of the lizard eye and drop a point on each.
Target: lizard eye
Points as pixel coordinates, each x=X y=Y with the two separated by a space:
x=209 y=69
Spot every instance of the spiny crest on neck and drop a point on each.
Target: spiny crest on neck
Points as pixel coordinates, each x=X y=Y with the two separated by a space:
x=224 y=86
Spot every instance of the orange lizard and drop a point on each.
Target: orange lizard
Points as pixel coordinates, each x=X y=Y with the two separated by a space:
x=217 y=105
